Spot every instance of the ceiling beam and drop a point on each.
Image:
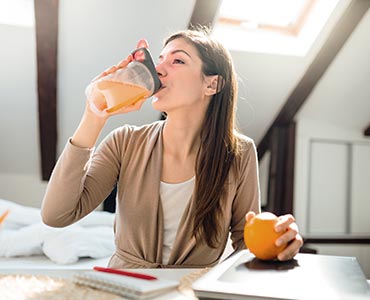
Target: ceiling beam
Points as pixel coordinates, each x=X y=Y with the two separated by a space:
x=204 y=13
x=337 y=38
x=46 y=20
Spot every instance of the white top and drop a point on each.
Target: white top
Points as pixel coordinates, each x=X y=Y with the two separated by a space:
x=174 y=198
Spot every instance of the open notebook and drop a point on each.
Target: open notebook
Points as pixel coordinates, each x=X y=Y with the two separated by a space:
x=308 y=276
x=125 y=285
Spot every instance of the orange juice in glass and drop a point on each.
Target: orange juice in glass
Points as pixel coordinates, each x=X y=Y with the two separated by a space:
x=137 y=81
x=120 y=94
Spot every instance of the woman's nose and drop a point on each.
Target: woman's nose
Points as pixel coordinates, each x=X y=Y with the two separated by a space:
x=160 y=70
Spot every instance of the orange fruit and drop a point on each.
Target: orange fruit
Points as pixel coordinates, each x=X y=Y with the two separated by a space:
x=260 y=236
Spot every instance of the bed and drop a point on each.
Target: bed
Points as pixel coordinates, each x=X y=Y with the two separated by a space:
x=36 y=259
x=26 y=241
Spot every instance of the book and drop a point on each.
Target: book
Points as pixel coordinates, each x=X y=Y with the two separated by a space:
x=129 y=284
x=307 y=276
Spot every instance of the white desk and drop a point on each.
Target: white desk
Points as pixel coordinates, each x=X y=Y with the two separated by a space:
x=41 y=266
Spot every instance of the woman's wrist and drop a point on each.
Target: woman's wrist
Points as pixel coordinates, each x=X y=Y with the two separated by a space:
x=88 y=130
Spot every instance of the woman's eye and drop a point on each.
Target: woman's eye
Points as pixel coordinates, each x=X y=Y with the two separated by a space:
x=178 y=61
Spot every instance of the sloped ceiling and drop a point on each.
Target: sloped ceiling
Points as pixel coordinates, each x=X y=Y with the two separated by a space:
x=342 y=97
x=269 y=80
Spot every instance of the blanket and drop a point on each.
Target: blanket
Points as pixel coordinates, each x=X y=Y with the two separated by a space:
x=23 y=234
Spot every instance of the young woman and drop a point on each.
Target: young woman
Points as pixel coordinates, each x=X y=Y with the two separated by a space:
x=184 y=183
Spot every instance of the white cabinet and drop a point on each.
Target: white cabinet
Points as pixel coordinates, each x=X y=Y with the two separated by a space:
x=360 y=190
x=338 y=188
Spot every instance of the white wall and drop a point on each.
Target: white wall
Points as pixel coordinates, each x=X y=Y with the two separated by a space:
x=19 y=154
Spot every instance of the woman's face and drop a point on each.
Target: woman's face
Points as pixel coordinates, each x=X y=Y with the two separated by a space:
x=184 y=86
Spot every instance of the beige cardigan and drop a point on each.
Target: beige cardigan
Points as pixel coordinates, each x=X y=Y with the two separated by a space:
x=132 y=156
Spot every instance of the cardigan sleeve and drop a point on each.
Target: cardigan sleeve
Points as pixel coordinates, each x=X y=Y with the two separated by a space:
x=247 y=196
x=82 y=178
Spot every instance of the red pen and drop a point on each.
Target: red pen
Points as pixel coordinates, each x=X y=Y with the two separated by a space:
x=125 y=273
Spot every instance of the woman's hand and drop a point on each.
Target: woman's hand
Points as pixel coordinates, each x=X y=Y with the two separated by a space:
x=95 y=114
x=291 y=236
x=98 y=106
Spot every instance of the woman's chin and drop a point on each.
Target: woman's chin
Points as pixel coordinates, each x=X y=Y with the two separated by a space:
x=156 y=103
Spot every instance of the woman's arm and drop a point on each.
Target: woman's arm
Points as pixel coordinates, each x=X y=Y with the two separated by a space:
x=82 y=179
x=247 y=197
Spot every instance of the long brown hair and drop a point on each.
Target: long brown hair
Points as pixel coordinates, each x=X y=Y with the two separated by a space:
x=219 y=144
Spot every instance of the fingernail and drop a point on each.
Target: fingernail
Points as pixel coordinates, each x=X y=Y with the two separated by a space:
x=278 y=242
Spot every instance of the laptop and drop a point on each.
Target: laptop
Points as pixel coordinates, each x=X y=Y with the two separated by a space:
x=307 y=276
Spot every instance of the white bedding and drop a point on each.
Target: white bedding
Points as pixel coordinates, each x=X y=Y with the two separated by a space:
x=42 y=265
x=24 y=234
x=42 y=262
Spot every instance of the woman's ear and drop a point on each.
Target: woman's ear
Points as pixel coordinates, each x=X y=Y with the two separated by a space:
x=215 y=83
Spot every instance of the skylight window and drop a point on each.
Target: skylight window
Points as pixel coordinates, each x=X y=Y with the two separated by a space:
x=273 y=26
x=17 y=13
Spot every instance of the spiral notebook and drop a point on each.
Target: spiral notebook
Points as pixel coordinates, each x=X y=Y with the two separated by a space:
x=128 y=284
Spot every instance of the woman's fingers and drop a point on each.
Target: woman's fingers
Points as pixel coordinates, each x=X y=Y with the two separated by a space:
x=249 y=215
x=291 y=236
x=102 y=74
x=142 y=44
x=284 y=222
x=100 y=109
x=133 y=107
x=292 y=249
x=124 y=62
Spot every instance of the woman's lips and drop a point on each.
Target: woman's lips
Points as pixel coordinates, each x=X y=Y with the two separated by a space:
x=162 y=85
x=161 y=88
